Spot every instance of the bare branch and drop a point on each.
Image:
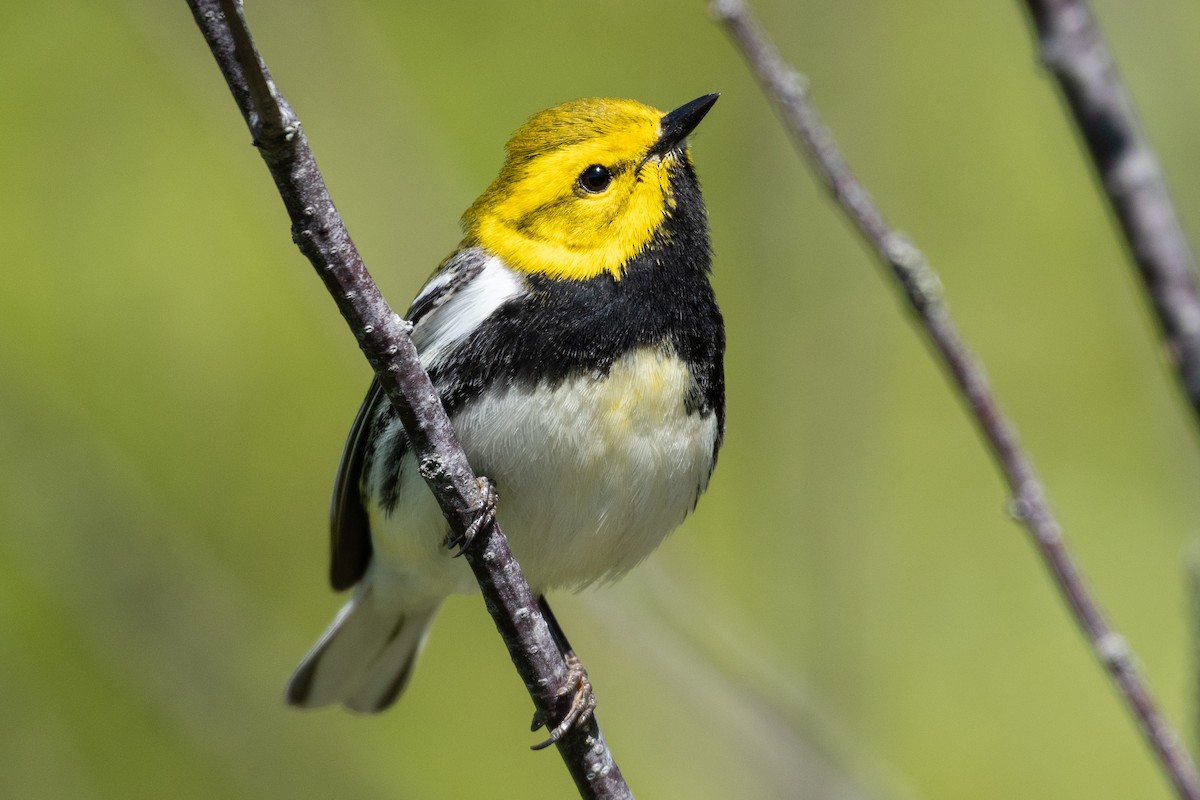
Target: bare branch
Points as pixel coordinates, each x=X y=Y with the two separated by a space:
x=383 y=336
x=1071 y=47
x=787 y=90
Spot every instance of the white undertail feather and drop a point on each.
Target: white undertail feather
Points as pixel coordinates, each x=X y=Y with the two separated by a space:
x=365 y=657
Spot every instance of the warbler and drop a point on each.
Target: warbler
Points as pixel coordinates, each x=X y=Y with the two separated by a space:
x=576 y=344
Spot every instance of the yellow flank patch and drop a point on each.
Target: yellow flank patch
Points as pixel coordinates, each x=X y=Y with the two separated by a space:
x=538 y=218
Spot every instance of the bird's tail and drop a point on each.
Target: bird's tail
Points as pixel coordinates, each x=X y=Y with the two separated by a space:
x=366 y=656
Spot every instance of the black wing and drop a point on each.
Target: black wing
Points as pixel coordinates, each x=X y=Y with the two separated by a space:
x=350 y=530
x=349 y=527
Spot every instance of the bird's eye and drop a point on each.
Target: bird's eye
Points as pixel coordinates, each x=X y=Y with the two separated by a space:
x=595 y=179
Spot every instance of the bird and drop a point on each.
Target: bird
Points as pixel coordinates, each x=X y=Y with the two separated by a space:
x=576 y=344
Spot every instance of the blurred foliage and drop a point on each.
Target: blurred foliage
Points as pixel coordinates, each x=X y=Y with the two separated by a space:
x=850 y=597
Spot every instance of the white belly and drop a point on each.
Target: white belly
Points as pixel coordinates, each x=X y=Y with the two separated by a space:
x=591 y=476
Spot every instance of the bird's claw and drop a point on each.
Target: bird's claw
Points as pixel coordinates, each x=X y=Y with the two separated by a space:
x=583 y=703
x=484 y=514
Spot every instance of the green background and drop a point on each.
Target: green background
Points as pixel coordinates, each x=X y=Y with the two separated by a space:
x=850 y=613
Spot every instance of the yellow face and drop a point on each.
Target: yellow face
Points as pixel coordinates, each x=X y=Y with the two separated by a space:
x=577 y=196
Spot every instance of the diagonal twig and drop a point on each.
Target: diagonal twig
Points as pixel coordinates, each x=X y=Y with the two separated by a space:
x=788 y=92
x=1071 y=48
x=383 y=336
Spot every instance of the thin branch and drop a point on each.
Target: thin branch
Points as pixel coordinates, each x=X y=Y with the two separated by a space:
x=383 y=336
x=787 y=90
x=1071 y=47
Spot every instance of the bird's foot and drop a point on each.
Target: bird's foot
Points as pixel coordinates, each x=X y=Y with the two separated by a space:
x=583 y=703
x=483 y=515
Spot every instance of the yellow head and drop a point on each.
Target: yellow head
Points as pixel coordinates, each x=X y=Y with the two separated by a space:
x=584 y=187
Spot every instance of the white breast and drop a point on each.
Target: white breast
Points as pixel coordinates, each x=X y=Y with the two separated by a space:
x=592 y=473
